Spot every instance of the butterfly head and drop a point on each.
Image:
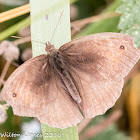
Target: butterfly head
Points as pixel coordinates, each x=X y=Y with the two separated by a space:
x=49 y=47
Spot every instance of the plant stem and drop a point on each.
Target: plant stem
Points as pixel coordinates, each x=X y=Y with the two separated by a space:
x=42 y=30
x=14 y=13
x=4 y=71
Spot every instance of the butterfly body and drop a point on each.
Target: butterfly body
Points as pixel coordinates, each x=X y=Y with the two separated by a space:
x=82 y=79
x=58 y=64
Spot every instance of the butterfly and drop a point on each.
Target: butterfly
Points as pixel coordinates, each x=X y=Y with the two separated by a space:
x=81 y=79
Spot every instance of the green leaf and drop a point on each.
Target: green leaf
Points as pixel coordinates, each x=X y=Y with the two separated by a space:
x=129 y=21
x=42 y=29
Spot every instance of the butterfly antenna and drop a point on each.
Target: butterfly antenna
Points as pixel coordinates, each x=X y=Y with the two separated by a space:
x=38 y=42
x=56 y=26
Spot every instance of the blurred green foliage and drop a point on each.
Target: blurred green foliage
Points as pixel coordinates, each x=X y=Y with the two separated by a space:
x=89 y=7
x=106 y=25
x=111 y=133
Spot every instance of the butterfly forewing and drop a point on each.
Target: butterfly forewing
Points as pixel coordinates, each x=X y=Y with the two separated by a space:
x=102 y=53
x=25 y=88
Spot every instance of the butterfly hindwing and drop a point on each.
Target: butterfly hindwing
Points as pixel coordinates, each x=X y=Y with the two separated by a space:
x=62 y=111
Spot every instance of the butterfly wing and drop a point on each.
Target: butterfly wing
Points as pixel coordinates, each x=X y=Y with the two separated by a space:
x=32 y=91
x=98 y=63
x=22 y=90
x=97 y=94
x=62 y=111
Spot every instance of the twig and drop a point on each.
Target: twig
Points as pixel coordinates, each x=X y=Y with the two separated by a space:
x=14 y=13
x=2 y=81
x=95 y=18
x=83 y=124
x=15 y=64
x=4 y=71
x=93 y=131
x=81 y=23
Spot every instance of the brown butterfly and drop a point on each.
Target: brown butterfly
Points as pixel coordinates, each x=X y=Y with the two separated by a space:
x=83 y=78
